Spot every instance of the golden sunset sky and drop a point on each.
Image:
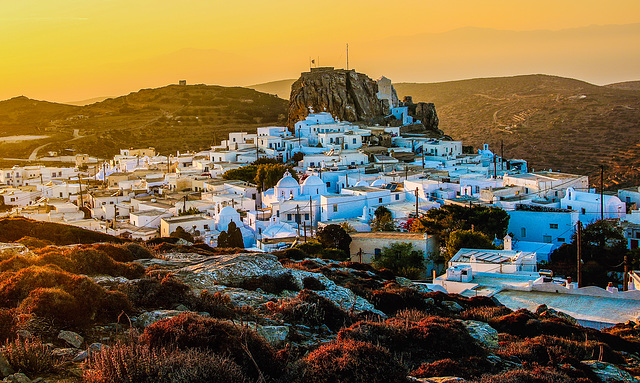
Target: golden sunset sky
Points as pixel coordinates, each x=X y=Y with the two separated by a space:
x=65 y=50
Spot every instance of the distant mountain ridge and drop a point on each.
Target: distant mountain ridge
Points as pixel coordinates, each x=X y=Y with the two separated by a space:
x=553 y=122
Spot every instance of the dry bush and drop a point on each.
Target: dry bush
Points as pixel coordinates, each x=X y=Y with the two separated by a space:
x=15 y=263
x=12 y=229
x=218 y=304
x=30 y=356
x=465 y=368
x=142 y=364
x=310 y=309
x=352 y=362
x=312 y=283
x=535 y=375
x=55 y=304
x=411 y=315
x=60 y=296
x=7 y=324
x=429 y=339
x=545 y=350
x=270 y=284
x=391 y=300
x=34 y=243
x=239 y=343
x=155 y=293
x=484 y=314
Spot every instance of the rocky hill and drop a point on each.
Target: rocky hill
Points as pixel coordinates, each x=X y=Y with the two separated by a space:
x=150 y=117
x=178 y=312
x=552 y=122
x=346 y=94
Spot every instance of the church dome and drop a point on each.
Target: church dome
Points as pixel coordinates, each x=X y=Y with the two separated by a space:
x=227 y=211
x=378 y=183
x=287 y=181
x=312 y=181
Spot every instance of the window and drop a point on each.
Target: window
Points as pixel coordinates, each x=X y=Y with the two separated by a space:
x=561 y=240
x=397 y=197
x=206 y=227
x=335 y=208
x=583 y=211
x=553 y=226
x=354 y=140
x=569 y=207
x=523 y=232
x=306 y=216
x=328 y=184
x=546 y=238
x=377 y=251
x=288 y=217
x=379 y=200
x=278 y=213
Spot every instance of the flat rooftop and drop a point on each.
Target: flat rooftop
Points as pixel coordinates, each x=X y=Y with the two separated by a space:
x=388 y=235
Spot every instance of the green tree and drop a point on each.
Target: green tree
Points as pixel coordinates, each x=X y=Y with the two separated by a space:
x=402 y=259
x=189 y=211
x=603 y=251
x=232 y=237
x=334 y=237
x=467 y=239
x=449 y=218
x=268 y=175
x=245 y=173
x=183 y=234
x=382 y=220
x=297 y=157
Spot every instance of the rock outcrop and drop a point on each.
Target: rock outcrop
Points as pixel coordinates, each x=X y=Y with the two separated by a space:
x=346 y=94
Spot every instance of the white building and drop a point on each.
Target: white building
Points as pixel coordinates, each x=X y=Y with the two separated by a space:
x=588 y=205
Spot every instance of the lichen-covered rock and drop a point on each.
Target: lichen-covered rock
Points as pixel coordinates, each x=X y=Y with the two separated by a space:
x=609 y=373
x=17 y=378
x=546 y=312
x=346 y=94
x=452 y=306
x=72 y=338
x=485 y=335
x=275 y=335
x=229 y=270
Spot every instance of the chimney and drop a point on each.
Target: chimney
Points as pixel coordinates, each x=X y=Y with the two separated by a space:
x=508 y=245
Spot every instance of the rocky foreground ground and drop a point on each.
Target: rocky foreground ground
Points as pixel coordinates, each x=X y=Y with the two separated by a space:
x=167 y=312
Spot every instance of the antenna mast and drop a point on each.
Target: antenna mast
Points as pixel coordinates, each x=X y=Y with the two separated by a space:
x=347 y=56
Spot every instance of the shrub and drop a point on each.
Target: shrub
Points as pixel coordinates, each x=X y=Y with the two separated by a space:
x=535 y=375
x=352 y=362
x=30 y=356
x=15 y=228
x=7 y=324
x=429 y=339
x=312 y=283
x=137 y=251
x=239 y=343
x=390 y=301
x=312 y=248
x=334 y=254
x=140 y=363
x=34 y=243
x=465 y=368
x=552 y=350
x=155 y=293
x=291 y=253
x=58 y=295
x=55 y=304
x=217 y=304
x=270 y=284
x=311 y=309
x=484 y=314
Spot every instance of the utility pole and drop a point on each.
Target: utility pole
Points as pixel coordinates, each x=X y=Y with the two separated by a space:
x=625 y=277
x=311 y=216
x=495 y=167
x=416 y=202
x=304 y=225
x=579 y=253
x=601 y=191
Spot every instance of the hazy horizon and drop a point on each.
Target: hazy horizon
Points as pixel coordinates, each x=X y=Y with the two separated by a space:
x=73 y=50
